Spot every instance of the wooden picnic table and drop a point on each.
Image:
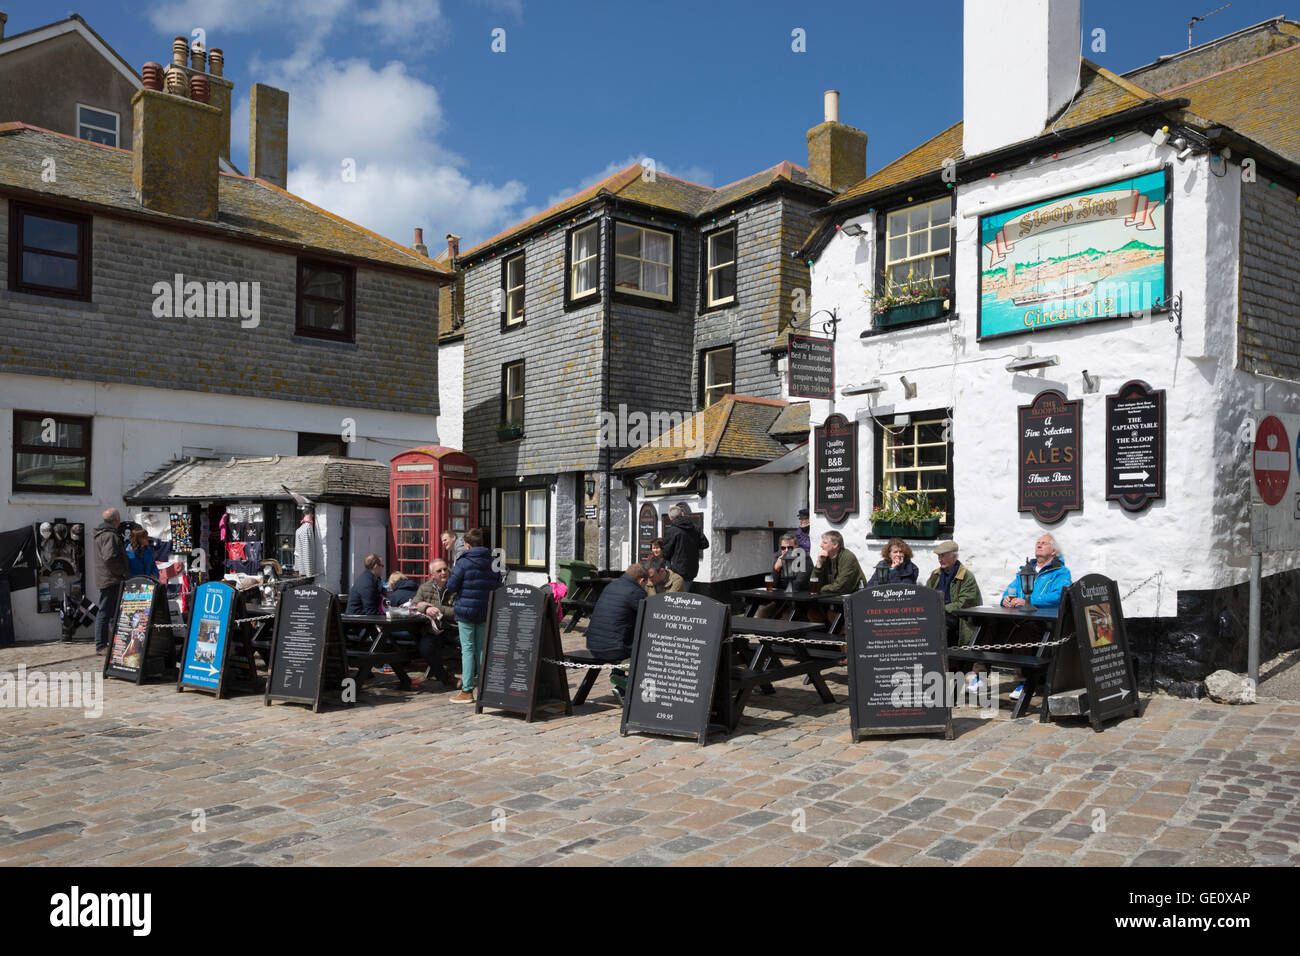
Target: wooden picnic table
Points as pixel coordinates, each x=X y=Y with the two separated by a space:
x=376 y=639
x=1005 y=625
x=757 y=667
x=581 y=601
x=800 y=602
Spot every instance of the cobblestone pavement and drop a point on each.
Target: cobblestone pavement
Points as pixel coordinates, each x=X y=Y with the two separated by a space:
x=414 y=778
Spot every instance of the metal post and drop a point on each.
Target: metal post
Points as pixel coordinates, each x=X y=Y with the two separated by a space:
x=1256 y=567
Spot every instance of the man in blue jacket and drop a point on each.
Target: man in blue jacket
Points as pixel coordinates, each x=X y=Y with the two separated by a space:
x=367 y=588
x=1051 y=578
x=612 y=625
x=473 y=579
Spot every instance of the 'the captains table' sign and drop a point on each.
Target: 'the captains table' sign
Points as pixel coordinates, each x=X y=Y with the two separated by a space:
x=522 y=636
x=142 y=641
x=1135 y=445
x=1050 y=468
x=673 y=685
x=1099 y=658
x=309 y=660
x=898 y=661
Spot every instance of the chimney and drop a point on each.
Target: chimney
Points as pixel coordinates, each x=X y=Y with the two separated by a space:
x=175 y=147
x=419 y=245
x=453 y=247
x=1021 y=68
x=268 y=134
x=837 y=154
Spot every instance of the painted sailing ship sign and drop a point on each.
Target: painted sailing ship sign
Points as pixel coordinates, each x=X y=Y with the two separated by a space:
x=1051 y=473
x=1096 y=254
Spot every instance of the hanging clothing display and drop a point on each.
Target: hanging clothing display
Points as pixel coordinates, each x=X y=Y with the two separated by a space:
x=304 y=548
x=182 y=531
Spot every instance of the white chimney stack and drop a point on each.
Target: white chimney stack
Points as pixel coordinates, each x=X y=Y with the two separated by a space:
x=832 y=106
x=1020 y=68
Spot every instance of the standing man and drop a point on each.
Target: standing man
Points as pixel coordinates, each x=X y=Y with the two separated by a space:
x=472 y=581
x=960 y=590
x=683 y=544
x=452 y=547
x=111 y=570
x=367 y=588
x=801 y=536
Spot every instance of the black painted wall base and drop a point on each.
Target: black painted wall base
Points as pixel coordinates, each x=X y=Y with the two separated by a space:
x=1209 y=634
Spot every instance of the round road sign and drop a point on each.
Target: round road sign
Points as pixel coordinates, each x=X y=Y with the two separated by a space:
x=1272 y=460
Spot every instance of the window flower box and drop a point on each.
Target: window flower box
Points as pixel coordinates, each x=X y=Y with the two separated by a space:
x=925 y=528
x=509 y=432
x=911 y=312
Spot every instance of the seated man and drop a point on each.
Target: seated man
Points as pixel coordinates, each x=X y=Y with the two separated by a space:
x=660 y=578
x=612 y=624
x=791 y=572
x=431 y=599
x=837 y=572
x=1051 y=577
x=367 y=588
x=959 y=589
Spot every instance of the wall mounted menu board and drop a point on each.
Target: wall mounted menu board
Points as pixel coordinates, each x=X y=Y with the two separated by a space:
x=811 y=367
x=1099 y=658
x=1049 y=444
x=136 y=647
x=673 y=679
x=522 y=630
x=835 y=458
x=898 y=661
x=308 y=656
x=1135 y=445
x=647 y=526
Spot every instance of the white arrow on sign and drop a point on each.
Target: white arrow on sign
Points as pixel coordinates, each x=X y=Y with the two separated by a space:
x=1121 y=695
x=211 y=670
x=1134 y=475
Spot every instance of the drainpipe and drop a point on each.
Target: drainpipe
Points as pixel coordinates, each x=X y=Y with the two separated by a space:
x=607 y=369
x=1256 y=567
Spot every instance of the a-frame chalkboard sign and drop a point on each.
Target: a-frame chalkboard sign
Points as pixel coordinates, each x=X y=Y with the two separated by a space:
x=522 y=636
x=898 y=661
x=675 y=685
x=309 y=659
x=216 y=651
x=1098 y=658
x=142 y=643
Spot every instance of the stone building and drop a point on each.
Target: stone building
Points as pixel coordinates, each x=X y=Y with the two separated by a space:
x=1107 y=230
x=157 y=310
x=613 y=316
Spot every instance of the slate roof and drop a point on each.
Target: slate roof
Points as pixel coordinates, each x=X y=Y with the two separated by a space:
x=100 y=176
x=663 y=192
x=792 y=423
x=733 y=430
x=319 y=477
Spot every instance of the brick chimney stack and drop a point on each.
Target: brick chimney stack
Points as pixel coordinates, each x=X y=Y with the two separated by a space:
x=268 y=134
x=176 y=142
x=419 y=245
x=453 y=248
x=837 y=154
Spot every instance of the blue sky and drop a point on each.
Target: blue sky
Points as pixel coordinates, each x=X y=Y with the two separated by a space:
x=448 y=135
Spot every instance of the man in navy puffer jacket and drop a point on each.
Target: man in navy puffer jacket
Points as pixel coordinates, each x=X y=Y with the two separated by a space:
x=472 y=581
x=612 y=625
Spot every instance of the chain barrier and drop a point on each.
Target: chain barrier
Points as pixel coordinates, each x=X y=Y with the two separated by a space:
x=573 y=665
x=1141 y=586
x=251 y=620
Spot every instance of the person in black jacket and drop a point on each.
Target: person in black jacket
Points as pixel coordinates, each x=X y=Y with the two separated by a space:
x=612 y=625
x=111 y=570
x=367 y=588
x=473 y=579
x=895 y=564
x=400 y=589
x=792 y=571
x=682 y=545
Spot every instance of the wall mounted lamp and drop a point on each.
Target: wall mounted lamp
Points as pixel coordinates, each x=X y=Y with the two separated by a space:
x=870 y=388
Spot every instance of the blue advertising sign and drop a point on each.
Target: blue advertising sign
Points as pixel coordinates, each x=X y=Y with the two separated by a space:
x=205 y=649
x=1100 y=253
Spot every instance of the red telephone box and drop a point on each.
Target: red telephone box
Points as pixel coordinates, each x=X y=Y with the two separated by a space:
x=430 y=490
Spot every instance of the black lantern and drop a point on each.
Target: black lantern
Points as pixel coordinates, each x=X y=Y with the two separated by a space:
x=590 y=484
x=1028 y=574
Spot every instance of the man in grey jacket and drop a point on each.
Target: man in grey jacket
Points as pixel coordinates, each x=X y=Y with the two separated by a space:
x=110 y=571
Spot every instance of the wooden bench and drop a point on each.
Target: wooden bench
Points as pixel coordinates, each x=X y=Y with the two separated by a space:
x=996 y=625
x=593 y=664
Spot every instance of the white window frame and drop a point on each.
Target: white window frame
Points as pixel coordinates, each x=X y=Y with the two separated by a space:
x=643 y=262
x=511 y=397
x=515 y=316
x=117 y=124
x=525 y=528
x=921 y=265
x=726 y=387
x=574 y=262
x=714 y=267
x=890 y=474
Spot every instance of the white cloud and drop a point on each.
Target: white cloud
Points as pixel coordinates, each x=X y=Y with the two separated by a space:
x=418 y=25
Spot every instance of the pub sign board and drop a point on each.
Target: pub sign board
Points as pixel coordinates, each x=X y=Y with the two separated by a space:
x=522 y=636
x=835 y=459
x=673 y=678
x=137 y=648
x=308 y=656
x=647 y=524
x=1101 y=645
x=1049 y=443
x=203 y=663
x=811 y=367
x=1135 y=445
x=898 y=661
x=1100 y=253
